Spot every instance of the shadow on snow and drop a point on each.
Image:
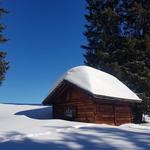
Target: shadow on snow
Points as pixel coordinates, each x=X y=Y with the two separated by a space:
x=87 y=138
x=39 y=113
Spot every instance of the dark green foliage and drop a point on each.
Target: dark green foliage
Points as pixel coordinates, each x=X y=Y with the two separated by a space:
x=3 y=62
x=118 y=35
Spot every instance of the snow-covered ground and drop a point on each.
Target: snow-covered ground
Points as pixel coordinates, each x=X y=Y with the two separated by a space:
x=25 y=127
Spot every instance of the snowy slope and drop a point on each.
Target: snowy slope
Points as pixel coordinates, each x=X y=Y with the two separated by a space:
x=28 y=127
x=98 y=83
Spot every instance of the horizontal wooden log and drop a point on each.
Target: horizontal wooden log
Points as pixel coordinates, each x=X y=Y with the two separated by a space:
x=85 y=110
x=105 y=108
x=105 y=115
x=86 y=120
x=123 y=116
x=85 y=106
x=105 y=112
x=105 y=119
x=105 y=122
x=122 y=109
x=75 y=104
x=123 y=119
x=86 y=116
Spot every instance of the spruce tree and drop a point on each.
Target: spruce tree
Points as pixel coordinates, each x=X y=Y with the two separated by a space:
x=3 y=62
x=101 y=33
x=118 y=39
x=137 y=33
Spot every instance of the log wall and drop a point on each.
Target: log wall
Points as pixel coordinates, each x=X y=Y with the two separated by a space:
x=85 y=109
x=115 y=113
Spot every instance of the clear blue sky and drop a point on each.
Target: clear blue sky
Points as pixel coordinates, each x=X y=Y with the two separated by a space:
x=44 y=41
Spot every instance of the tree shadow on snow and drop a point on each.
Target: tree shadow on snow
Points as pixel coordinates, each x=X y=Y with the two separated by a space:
x=25 y=143
x=83 y=142
x=39 y=113
x=104 y=138
x=140 y=140
x=84 y=139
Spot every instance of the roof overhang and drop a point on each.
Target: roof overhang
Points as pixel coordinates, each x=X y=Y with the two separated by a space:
x=62 y=86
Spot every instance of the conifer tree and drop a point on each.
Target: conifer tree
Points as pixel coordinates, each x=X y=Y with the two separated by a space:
x=137 y=33
x=102 y=34
x=3 y=62
x=118 y=36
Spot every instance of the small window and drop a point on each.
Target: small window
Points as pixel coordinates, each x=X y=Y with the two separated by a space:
x=70 y=113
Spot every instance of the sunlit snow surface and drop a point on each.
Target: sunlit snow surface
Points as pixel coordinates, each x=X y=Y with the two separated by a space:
x=25 y=127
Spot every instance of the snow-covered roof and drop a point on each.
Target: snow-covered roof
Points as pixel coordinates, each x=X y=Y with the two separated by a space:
x=98 y=83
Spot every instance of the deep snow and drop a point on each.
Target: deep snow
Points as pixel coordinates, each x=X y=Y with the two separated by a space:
x=25 y=127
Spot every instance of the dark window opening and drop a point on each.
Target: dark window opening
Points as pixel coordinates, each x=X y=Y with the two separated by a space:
x=70 y=113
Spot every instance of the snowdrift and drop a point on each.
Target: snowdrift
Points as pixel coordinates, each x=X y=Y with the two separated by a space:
x=30 y=127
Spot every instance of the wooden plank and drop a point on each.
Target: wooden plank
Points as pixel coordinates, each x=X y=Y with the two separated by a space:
x=122 y=109
x=106 y=113
x=127 y=120
x=123 y=116
x=86 y=110
x=103 y=108
x=105 y=119
x=106 y=122
x=85 y=106
x=88 y=113
x=86 y=116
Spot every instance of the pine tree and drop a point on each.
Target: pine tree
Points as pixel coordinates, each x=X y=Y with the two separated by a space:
x=3 y=62
x=118 y=42
x=102 y=34
x=137 y=33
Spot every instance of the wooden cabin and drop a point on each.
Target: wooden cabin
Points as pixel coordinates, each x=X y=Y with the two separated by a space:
x=88 y=95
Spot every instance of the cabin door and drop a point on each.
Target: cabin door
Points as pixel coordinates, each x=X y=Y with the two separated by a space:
x=105 y=114
x=122 y=114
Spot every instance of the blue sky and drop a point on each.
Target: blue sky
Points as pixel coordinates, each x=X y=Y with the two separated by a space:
x=44 y=41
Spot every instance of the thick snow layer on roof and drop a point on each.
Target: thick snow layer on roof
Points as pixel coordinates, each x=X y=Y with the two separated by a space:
x=98 y=83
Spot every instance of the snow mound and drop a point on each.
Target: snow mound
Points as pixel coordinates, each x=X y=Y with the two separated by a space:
x=136 y=126
x=98 y=83
x=146 y=118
